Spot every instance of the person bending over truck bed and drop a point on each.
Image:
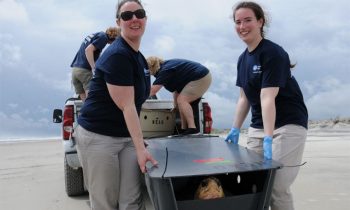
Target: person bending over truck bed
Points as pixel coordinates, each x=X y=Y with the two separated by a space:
x=187 y=80
x=83 y=63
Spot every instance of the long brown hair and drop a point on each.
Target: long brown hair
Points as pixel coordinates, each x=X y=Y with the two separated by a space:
x=259 y=15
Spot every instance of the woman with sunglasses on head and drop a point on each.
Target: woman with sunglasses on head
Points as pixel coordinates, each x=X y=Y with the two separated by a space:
x=109 y=139
x=279 y=116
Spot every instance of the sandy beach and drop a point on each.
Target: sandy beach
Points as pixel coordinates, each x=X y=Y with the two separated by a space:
x=31 y=174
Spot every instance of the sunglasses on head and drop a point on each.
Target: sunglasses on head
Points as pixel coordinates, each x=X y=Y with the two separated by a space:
x=127 y=15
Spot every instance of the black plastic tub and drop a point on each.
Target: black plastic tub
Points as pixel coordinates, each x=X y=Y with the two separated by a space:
x=246 y=177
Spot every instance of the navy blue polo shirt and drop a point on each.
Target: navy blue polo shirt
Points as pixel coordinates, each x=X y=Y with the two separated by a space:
x=269 y=66
x=99 y=40
x=175 y=74
x=118 y=65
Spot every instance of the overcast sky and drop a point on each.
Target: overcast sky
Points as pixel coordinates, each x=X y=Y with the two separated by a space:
x=38 y=40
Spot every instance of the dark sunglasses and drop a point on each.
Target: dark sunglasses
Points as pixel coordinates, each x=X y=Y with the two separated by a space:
x=127 y=15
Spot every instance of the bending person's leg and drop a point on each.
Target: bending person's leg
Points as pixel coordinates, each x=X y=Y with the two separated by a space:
x=182 y=117
x=191 y=92
x=186 y=112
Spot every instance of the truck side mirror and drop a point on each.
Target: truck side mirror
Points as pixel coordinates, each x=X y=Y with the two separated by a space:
x=57 y=115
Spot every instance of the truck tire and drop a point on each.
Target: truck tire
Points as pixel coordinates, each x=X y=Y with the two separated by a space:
x=74 y=180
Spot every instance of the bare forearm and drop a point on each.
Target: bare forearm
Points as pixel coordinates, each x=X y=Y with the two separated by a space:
x=155 y=89
x=242 y=109
x=268 y=109
x=123 y=98
x=89 y=53
x=241 y=112
x=134 y=127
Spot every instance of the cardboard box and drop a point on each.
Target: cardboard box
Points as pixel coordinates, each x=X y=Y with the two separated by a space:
x=158 y=104
x=157 y=118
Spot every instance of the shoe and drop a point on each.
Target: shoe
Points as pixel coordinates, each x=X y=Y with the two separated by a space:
x=181 y=131
x=189 y=131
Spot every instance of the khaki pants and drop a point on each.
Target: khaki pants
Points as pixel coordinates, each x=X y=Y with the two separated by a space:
x=111 y=172
x=198 y=87
x=287 y=148
x=81 y=79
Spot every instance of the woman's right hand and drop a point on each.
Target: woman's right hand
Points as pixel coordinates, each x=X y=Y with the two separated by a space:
x=233 y=135
x=143 y=156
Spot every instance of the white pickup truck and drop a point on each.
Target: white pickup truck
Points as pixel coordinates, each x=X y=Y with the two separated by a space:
x=157 y=120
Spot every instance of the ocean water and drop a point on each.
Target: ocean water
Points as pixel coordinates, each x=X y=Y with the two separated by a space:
x=11 y=139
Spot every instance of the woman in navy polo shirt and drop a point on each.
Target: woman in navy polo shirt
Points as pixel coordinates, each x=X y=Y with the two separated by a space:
x=187 y=80
x=279 y=116
x=83 y=63
x=109 y=139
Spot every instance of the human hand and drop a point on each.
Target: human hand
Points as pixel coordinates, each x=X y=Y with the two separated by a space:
x=173 y=109
x=143 y=157
x=267 y=145
x=233 y=136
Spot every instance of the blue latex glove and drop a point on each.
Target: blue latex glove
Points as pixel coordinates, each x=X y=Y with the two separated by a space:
x=267 y=147
x=233 y=135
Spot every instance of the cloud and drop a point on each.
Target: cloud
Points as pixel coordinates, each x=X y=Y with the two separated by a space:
x=13 y=106
x=164 y=45
x=329 y=98
x=322 y=85
x=12 y=11
x=188 y=15
x=43 y=78
x=39 y=39
x=224 y=77
x=222 y=109
x=10 y=53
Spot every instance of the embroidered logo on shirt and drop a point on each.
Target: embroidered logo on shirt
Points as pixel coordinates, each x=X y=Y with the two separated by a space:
x=256 y=69
x=146 y=71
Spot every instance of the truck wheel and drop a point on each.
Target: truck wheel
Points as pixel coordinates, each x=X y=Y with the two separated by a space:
x=74 y=180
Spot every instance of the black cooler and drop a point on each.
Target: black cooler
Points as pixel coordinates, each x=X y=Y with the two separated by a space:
x=184 y=162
